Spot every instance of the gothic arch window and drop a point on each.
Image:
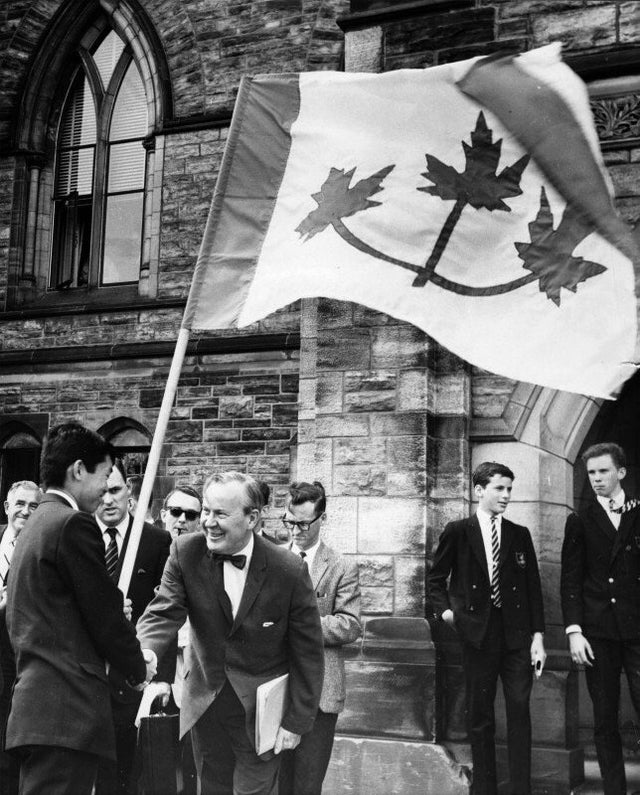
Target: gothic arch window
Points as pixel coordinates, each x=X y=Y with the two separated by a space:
x=87 y=223
x=132 y=442
x=19 y=459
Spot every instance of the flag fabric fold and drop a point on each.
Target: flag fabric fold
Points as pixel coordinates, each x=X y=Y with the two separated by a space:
x=468 y=199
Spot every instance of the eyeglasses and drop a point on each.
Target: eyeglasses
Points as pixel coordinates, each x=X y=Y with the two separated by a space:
x=190 y=516
x=302 y=526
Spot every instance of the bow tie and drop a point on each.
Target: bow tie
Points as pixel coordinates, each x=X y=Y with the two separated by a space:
x=237 y=560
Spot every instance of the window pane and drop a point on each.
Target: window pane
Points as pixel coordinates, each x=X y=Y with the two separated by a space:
x=126 y=166
x=78 y=125
x=123 y=239
x=106 y=56
x=75 y=172
x=130 y=112
x=72 y=242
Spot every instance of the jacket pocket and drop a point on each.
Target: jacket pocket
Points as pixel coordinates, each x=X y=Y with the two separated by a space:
x=94 y=669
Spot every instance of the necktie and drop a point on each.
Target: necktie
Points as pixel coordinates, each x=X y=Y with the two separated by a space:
x=111 y=556
x=236 y=560
x=495 y=558
x=612 y=507
x=6 y=562
x=303 y=555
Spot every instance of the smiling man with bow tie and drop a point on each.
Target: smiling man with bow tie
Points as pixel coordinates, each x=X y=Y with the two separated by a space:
x=254 y=616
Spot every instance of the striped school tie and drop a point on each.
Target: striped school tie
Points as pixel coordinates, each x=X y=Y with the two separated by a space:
x=111 y=556
x=495 y=558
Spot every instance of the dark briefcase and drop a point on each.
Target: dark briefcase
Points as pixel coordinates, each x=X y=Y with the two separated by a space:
x=158 y=754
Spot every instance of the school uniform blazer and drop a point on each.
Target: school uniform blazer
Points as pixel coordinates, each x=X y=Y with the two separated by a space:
x=335 y=581
x=65 y=619
x=600 y=574
x=461 y=557
x=276 y=630
x=151 y=556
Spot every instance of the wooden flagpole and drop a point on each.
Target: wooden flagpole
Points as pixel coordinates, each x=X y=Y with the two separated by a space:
x=154 y=458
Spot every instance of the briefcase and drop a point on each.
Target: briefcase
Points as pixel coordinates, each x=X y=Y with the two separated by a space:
x=158 y=754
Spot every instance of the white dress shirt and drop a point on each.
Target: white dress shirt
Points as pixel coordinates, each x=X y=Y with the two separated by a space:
x=618 y=501
x=121 y=531
x=485 y=526
x=235 y=578
x=309 y=554
x=7 y=545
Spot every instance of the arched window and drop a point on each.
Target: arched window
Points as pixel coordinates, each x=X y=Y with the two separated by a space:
x=132 y=442
x=19 y=460
x=87 y=222
x=100 y=172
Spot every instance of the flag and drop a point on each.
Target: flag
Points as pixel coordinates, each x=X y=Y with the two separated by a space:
x=470 y=200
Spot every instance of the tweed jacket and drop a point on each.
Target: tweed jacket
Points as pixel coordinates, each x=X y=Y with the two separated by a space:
x=600 y=574
x=276 y=630
x=461 y=556
x=335 y=582
x=65 y=619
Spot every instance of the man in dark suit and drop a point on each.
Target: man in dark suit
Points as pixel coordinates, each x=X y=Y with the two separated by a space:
x=66 y=622
x=115 y=523
x=600 y=592
x=254 y=617
x=335 y=581
x=494 y=601
x=22 y=500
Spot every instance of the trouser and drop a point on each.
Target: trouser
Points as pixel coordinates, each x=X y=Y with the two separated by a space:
x=56 y=771
x=302 y=770
x=482 y=667
x=226 y=761
x=603 y=682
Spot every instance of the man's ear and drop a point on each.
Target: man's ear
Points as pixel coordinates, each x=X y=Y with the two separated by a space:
x=77 y=470
x=622 y=472
x=6 y=506
x=323 y=518
x=254 y=516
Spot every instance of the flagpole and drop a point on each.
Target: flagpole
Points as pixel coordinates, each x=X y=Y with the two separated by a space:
x=153 y=461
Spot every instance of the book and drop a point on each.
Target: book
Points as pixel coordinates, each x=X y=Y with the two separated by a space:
x=270 y=703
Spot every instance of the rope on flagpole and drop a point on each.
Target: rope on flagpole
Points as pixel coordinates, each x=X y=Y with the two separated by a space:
x=154 y=458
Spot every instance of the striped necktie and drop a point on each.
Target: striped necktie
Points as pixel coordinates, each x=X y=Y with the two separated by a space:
x=111 y=556
x=495 y=558
x=5 y=562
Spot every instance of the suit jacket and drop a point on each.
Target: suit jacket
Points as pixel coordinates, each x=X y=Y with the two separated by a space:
x=151 y=556
x=7 y=665
x=276 y=630
x=461 y=555
x=65 y=619
x=600 y=574
x=335 y=581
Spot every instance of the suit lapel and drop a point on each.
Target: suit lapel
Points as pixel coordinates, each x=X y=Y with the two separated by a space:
x=125 y=544
x=506 y=541
x=255 y=578
x=320 y=565
x=474 y=536
x=602 y=521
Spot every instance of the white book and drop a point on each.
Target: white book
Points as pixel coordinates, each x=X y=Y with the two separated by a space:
x=270 y=703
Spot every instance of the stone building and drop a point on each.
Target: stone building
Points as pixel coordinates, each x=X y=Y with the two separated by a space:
x=113 y=119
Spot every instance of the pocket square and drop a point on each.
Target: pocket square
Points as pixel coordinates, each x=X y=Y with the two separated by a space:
x=141 y=571
x=267 y=623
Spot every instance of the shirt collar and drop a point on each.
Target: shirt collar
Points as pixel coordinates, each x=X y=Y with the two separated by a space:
x=121 y=527
x=65 y=496
x=618 y=501
x=308 y=553
x=247 y=551
x=484 y=517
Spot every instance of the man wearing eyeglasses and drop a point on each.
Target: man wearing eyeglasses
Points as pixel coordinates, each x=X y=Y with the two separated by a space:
x=335 y=582
x=181 y=511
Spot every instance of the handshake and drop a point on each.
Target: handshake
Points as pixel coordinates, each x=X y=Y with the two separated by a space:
x=152 y=668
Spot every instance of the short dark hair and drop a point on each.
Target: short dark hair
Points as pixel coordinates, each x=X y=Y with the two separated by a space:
x=185 y=490
x=67 y=443
x=487 y=469
x=134 y=484
x=265 y=491
x=301 y=492
x=606 y=448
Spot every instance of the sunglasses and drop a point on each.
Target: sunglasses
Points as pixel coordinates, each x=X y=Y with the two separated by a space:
x=190 y=516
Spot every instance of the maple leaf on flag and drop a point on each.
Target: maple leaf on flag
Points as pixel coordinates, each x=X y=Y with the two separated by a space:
x=337 y=200
x=478 y=185
x=549 y=254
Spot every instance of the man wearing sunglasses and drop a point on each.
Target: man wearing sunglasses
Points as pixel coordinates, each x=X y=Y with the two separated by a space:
x=180 y=512
x=335 y=582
